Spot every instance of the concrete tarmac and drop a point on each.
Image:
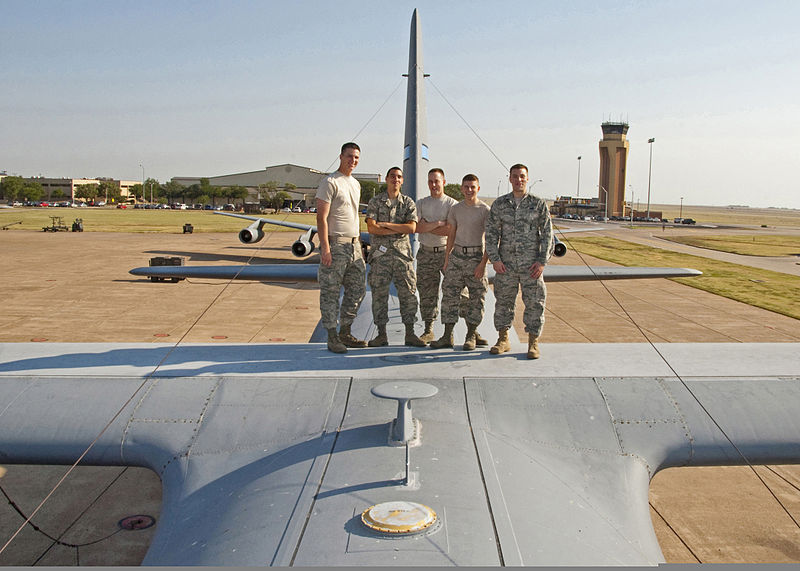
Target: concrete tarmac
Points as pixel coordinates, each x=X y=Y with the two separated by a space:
x=75 y=287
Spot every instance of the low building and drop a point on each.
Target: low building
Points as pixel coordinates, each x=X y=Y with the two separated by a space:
x=298 y=181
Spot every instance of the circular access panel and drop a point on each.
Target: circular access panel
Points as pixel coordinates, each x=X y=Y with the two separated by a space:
x=398 y=518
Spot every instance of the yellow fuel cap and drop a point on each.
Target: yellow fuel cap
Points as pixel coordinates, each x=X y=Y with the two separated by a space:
x=399 y=518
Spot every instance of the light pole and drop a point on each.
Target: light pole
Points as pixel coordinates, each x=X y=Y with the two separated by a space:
x=680 y=214
x=534 y=184
x=649 y=172
x=630 y=186
x=579 y=177
x=140 y=164
x=606 y=201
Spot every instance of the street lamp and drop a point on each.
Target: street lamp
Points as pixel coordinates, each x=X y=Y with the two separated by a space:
x=606 y=201
x=534 y=184
x=140 y=164
x=649 y=172
x=579 y=177
x=630 y=186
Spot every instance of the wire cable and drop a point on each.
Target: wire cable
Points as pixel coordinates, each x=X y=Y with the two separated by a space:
x=474 y=132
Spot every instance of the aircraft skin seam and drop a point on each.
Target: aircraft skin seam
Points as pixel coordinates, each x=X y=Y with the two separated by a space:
x=485 y=427
x=621 y=448
x=679 y=419
x=165 y=420
x=586 y=499
x=328 y=459
x=686 y=429
x=280 y=446
x=188 y=449
x=557 y=446
x=206 y=405
x=128 y=423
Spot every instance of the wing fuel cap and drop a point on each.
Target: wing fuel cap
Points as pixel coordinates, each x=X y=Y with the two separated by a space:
x=399 y=518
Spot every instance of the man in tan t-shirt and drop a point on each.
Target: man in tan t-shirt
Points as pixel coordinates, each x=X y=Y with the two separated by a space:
x=465 y=264
x=341 y=261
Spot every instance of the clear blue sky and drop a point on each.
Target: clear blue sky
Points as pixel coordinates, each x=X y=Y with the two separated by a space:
x=96 y=88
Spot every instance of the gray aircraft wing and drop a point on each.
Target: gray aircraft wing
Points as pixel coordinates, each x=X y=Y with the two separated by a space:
x=302 y=247
x=308 y=272
x=268 y=455
x=258 y=272
x=286 y=223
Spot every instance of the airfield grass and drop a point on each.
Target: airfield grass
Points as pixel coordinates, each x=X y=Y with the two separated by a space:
x=138 y=220
x=774 y=291
x=748 y=245
x=729 y=214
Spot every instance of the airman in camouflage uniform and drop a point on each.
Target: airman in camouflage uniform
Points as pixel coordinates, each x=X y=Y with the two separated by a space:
x=341 y=261
x=465 y=265
x=391 y=217
x=432 y=229
x=519 y=238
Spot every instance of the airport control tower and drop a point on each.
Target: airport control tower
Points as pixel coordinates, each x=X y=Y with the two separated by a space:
x=613 y=162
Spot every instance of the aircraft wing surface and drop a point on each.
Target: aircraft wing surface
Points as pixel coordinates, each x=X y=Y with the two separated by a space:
x=259 y=272
x=285 y=223
x=269 y=454
x=308 y=272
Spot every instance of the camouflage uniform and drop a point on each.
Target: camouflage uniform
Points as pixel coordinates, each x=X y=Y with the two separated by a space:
x=390 y=259
x=518 y=236
x=460 y=273
x=347 y=270
x=429 y=274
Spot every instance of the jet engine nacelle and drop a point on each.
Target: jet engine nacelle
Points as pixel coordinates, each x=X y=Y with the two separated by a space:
x=302 y=248
x=304 y=245
x=559 y=248
x=251 y=234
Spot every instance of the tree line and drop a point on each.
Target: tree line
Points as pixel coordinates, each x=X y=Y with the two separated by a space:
x=270 y=194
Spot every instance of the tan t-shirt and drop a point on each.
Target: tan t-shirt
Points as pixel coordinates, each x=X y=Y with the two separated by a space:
x=432 y=210
x=470 y=222
x=342 y=192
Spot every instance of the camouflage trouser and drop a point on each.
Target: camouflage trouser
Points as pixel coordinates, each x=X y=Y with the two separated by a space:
x=347 y=270
x=461 y=273
x=383 y=270
x=534 y=292
x=429 y=272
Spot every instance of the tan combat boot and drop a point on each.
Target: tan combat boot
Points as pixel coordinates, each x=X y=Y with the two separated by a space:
x=533 y=346
x=445 y=340
x=334 y=345
x=469 y=341
x=381 y=340
x=411 y=338
x=427 y=335
x=348 y=340
x=480 y=341
x=502 y=344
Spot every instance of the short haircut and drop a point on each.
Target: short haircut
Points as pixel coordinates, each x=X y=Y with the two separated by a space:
x=435 y=170
x=518 y=166
x=350 y=146
x=470 y=177
x=393 y=169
